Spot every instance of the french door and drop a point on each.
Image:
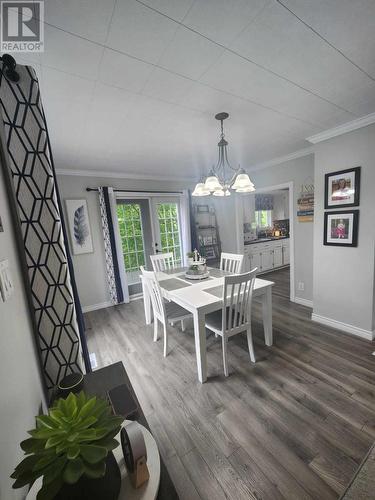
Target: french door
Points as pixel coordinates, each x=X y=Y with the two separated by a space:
x=166 y=219
x=148 y=226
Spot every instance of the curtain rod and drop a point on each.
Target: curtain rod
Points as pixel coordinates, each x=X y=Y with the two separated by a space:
x=138 y=191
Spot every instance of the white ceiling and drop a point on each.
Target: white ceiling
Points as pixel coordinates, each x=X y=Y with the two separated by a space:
x=133 y=86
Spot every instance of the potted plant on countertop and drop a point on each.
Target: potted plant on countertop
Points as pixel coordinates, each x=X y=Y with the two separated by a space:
x=71 y=448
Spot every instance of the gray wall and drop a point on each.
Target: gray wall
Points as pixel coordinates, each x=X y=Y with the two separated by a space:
x=344 y=277
x=92 y=286
x=297 y=171
x=90 y=268
x=21 y=390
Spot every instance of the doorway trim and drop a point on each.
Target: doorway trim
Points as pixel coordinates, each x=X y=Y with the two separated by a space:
x=290 y=186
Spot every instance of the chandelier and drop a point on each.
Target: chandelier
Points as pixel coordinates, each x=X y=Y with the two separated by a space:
x=222 y=178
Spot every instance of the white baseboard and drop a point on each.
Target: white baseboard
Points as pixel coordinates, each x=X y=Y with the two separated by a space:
x=354 y=330
x=95 y=307
x=136 y=296
x=93 y=361
x=303 y=302
x=103 y=305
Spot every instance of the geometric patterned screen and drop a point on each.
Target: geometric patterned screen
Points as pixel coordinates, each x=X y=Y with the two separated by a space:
x=115 y=285
x=28 y=159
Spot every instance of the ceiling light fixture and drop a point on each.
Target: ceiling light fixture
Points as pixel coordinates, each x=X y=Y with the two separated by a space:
x=220 y=180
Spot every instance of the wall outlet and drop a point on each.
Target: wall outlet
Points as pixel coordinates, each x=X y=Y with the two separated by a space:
x=6 y=283
x=301 y=285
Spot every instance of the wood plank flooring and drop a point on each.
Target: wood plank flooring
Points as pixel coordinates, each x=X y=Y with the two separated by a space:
x=294 y=425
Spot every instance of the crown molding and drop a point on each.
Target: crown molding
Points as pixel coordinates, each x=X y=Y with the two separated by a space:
x=122 y=175
x=283 y=159
x=342 y=129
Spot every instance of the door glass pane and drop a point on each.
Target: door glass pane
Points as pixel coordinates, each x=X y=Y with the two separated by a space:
x=130 y=223
x=169 y=229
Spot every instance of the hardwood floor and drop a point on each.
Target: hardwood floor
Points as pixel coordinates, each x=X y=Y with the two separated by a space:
x=281 y=278
x=295 y=425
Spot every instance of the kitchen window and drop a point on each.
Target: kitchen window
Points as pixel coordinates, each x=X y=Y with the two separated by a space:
x=263 y=218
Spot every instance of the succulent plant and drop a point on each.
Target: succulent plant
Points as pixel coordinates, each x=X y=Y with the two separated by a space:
x=74 y=439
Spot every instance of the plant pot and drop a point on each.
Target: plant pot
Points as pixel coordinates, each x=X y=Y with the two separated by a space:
x=107 y=487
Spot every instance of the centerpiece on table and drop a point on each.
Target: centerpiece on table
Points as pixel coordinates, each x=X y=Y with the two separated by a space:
x=71 y=449
x=197 y=267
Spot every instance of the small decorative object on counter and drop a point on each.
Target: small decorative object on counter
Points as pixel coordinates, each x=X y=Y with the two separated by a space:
x=135 y=453
x=71 y=449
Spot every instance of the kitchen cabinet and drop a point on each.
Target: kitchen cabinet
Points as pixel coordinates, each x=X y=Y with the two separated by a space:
x=278 y=256
x=248 y=208
x=286 y=254
x=266 y=256
x=254 y=259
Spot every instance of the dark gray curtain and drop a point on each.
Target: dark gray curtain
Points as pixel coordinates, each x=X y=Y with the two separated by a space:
x=27 y=160
x=263 y=202
x=116 y=277
x=193 y=230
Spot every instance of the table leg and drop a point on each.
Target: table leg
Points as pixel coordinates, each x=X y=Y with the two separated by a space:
x=267 y=316
x=200 y=345
x=146 y=304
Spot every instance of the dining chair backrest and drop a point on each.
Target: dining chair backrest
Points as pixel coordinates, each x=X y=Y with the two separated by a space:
x=151 y=283
x=231 y=262
x=162 y=261
x=237 y=300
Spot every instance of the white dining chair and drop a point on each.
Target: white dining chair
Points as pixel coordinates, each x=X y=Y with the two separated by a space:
x=165 y=312
x=235 y=316
x=162 y=261
x=231 y=262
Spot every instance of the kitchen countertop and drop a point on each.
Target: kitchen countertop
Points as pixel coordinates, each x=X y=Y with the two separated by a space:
x=265 y=240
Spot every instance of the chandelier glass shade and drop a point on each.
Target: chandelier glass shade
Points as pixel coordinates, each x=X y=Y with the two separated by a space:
x=200 y=190
x=223 y=177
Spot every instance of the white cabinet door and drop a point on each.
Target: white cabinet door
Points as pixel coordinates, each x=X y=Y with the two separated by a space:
x=267 y=259
x=255 y=261
x=246 y=263
x=286 y=254
x=278 y=256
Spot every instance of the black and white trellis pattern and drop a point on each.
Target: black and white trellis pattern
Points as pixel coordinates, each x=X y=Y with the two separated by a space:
x=107 y=249
x=29 y=161
x=116 y=279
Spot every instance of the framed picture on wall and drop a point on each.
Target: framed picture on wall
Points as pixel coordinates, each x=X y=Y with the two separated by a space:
x=79 y=226
x=341 y=228
x=342 y=188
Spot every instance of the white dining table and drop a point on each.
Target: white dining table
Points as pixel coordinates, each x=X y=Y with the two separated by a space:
x=203 y=297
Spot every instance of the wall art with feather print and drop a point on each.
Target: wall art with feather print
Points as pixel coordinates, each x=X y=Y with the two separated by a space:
x=79 y=226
